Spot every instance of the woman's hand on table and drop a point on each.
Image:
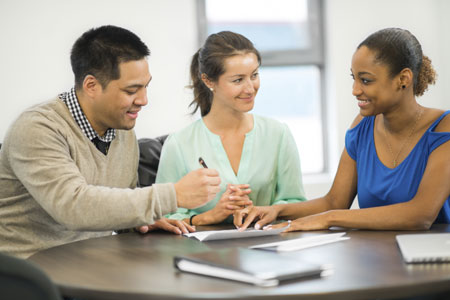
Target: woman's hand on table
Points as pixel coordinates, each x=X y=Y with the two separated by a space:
x=313 y=222
x=262 y=214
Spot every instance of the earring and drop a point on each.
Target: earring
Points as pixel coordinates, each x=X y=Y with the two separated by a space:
x=403 y=87
x=211 y=89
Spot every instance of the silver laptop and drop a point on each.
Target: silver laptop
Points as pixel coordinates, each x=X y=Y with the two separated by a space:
x=428 y=247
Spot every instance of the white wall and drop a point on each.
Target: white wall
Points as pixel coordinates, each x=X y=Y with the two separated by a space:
x=348 y=22
x=37 y=37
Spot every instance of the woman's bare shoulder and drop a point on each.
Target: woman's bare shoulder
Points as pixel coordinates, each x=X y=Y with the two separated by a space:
x=444 y=124
x=356 y=121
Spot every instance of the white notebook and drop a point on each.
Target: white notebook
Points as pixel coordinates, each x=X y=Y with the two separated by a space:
x=427 y=247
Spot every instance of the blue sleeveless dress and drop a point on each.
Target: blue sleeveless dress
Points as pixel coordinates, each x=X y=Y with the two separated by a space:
x=379 y=185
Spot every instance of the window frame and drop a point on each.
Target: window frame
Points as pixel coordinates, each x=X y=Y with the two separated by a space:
x=314 y=55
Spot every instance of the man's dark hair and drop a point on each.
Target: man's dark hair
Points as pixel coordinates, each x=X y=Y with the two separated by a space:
x=99 y=51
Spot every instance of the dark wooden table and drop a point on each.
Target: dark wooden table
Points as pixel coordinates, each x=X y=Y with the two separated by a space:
x=133 y=266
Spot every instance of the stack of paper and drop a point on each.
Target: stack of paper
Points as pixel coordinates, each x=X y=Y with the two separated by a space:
x=302 y=243
x=232 y=234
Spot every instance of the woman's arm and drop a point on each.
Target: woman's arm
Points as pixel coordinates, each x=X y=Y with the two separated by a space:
x=417 y=214
x=340 y=196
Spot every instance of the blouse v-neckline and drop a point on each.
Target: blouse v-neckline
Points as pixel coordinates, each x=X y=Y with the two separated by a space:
x=223 y=157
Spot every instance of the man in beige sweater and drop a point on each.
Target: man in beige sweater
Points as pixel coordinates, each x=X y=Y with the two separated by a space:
x=68 y=167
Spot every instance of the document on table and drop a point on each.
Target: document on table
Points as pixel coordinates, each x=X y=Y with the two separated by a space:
x=302 y=243
x=232 y=234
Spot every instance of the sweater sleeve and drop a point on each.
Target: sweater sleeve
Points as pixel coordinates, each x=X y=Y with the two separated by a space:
x=289 y=188
x=40 y=157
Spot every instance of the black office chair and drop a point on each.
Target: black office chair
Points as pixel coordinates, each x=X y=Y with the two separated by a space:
x=21 y=279
x=149 y=153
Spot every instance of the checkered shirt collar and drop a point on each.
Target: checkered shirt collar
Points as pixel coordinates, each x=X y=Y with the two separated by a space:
x=71 y=100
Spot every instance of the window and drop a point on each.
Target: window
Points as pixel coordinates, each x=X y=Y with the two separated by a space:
x=288 y=34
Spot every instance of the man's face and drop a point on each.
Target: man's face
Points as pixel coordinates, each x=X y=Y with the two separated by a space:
x=117 y=105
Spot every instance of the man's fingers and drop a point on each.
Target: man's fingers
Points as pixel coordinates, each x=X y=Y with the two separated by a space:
x=213 y=189
x=143 y=229
x=209 y=172
x=214 y=181
x=211 y=175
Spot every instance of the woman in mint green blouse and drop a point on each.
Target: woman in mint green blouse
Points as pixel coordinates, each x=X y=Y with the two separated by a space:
x=256 y=157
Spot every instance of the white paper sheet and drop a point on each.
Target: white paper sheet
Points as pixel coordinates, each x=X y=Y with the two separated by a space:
x=302 y=243
x=232 y=234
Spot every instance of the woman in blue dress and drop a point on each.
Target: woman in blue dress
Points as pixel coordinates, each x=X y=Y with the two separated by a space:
x=397 y=152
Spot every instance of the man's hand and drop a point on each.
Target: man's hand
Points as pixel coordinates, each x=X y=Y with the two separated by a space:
x=197 y=188
x=175 y=226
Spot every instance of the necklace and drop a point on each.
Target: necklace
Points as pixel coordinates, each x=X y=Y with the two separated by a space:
x=413 y=129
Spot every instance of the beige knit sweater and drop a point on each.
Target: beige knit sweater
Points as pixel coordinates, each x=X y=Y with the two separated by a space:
x=57 y=188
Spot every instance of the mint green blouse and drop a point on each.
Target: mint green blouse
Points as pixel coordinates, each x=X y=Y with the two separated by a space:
x=269 y=163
